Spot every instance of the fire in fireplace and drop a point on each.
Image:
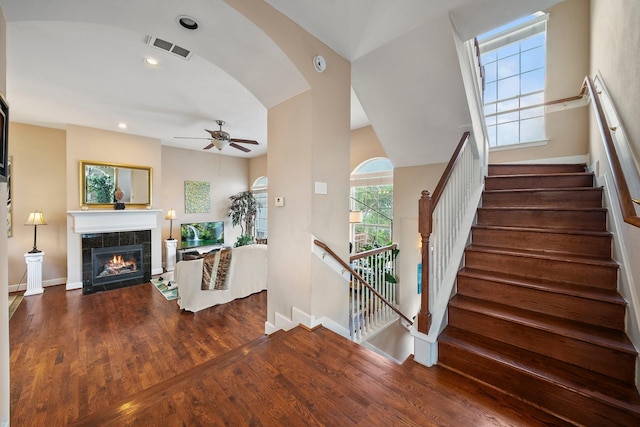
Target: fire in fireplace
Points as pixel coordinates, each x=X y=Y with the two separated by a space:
x=115 y=264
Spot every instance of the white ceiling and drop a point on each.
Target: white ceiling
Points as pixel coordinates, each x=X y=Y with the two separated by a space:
x=80 y=62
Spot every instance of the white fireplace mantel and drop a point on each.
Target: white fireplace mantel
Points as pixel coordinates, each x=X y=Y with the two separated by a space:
x=107 y=221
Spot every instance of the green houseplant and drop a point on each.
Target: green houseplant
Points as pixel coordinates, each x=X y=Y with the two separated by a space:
x=242 y=211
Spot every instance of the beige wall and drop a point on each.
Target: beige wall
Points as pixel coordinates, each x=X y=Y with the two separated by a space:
x=615 y=38
x=4 y=320
x=38 y=182
x=257 y=168
x=408 y=184
x=308 y=142
x=226 y=176
x=364 y=146
x=567 y=65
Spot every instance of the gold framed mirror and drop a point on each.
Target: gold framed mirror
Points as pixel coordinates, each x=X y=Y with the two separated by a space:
x=100 y=181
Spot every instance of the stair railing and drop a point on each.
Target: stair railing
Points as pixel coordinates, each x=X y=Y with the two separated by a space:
x=444 y=219
x=620 y=182
x=373 y=294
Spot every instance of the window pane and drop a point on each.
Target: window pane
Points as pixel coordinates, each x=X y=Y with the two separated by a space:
x=490 y=72
x=489 y=109
x=532 y=112
x=509 y=50
x=491 y=132
x=535 y=41
x=508 y=88
x=532 y=59
x=532 y=129
x=533 y=99
x=511 y=104
x=509 y=66
x=532 y=81
x=490 y=92
x=487 y=57
x=491 y=120
x=508 y=133
x=509 y=117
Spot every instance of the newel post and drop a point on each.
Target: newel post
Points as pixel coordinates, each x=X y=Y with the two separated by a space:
x=424 y=227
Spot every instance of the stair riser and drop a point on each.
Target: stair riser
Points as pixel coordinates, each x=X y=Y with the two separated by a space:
x=542 y=181
x=606 y=361
x=590 y=220
x=597 y=276
x=542 y=393
x=558 y=199
x=534 y=169
x=578 y=244
x=560 y=305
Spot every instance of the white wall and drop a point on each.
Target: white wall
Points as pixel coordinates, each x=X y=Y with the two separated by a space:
x=4 y=294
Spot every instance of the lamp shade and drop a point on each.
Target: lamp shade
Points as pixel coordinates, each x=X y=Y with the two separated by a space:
x=36 y=218
x=171 y=214
x=355 y=217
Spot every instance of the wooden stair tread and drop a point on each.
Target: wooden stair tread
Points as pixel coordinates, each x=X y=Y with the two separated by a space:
x=557 y=256
x=560 y=373
x=545 y=230
x=551 y=174
x=542 y=208
x=586 y=292
x=604 y=337
x=539 y=190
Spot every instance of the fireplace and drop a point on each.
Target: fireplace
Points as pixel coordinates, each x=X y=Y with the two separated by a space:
x=115 y=264
x=115 y=260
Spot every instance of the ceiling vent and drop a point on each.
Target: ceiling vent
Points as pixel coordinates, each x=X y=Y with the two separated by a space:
x=169 y=47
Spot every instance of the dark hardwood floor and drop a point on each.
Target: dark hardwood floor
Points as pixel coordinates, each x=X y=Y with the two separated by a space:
x=129 y=357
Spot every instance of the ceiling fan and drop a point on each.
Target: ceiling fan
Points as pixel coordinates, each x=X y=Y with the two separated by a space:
x=221 y=139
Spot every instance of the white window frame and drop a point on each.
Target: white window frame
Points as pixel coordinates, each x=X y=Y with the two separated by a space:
x=528 y=111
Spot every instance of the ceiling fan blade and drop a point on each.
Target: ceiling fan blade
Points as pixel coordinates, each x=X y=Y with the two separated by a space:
x=208 y=146
x=244 y=141
x=239 y=147
x=189 y=137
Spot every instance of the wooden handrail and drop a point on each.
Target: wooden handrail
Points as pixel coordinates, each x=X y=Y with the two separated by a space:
x=426 y=205
x=619 y=181
x=371 y=252
x=360 y=279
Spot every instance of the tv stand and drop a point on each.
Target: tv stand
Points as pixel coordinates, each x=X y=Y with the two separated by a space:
x=200 y=249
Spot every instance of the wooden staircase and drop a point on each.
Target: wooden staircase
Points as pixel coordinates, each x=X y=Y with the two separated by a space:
x=537 y=313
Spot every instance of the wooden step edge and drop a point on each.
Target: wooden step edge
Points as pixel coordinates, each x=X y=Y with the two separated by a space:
x=541 y=175
x=590 y=233
x=543 y=190
x=562 y=374
x=595 y=335
x=546 y=255
x=541 y=209
x=608 y=296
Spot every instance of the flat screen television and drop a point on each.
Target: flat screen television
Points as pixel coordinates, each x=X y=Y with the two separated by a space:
x=197 y=234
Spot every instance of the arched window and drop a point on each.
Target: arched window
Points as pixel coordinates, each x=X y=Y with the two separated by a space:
x=259 y=189
x=372 y=194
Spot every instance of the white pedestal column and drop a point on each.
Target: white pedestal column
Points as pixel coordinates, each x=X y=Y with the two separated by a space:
x=34 y=273
x=171 y=247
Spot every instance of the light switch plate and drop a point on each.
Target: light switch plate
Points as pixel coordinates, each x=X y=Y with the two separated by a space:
x=321 y=187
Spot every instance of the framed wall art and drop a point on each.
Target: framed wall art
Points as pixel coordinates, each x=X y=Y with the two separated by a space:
x=4 y=138
x=197 y=197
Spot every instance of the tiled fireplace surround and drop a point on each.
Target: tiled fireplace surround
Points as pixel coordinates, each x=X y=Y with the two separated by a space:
x=89 y=229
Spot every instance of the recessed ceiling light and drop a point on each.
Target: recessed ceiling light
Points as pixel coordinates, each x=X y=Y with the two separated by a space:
x=151 y=61
x=187 y=22
x=122 y=125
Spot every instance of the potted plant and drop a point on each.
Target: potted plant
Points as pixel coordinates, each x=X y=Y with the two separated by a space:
x=242 y=211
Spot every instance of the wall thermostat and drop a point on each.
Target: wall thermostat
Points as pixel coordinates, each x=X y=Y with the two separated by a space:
x=319 y=64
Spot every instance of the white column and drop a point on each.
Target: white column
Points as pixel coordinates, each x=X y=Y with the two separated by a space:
x=34 y=273
x=171 y=247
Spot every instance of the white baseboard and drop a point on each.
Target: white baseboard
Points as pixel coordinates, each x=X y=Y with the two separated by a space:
x=45 y=283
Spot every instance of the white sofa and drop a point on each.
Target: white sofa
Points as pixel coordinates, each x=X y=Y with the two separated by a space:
x=247 y=275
